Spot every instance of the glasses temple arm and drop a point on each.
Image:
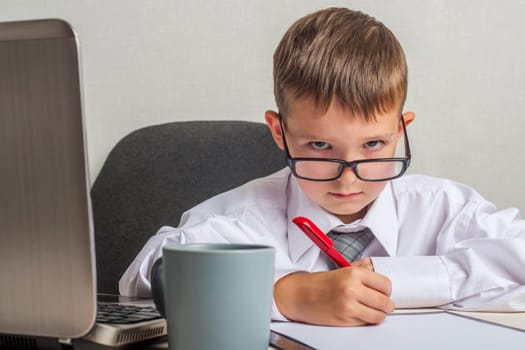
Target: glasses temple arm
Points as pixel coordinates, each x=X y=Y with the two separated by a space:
x=407 y=145
x=285 y=145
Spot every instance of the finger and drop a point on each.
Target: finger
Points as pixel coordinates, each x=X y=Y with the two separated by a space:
x=363 y=262
x=361 y=313
x=376 y=300
x=377 y=282
x=371 y=315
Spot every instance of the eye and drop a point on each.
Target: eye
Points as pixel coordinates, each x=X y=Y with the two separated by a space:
x=374 y=145
x=319 y=145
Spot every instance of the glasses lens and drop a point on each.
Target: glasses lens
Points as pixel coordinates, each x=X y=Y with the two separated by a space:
x=380 y=170
x=317 y=169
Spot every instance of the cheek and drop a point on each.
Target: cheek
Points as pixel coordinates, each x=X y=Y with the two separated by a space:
x=389 y=151
x=312 y=189
x=374 y=187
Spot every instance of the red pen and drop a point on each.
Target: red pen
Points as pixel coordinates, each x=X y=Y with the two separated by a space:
x=321 y=240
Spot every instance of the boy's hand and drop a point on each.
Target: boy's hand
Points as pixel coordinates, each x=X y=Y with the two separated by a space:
x=350 y=296
x=365 y=263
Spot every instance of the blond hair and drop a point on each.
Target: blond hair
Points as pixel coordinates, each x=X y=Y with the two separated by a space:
x=342 y=55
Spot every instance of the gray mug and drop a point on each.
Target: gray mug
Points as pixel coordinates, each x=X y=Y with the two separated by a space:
x=215 y=296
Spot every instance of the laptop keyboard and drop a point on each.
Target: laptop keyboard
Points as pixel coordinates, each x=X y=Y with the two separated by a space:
x=125 y=314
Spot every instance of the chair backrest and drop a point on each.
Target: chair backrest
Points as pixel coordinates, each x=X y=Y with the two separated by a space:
x=156 y=173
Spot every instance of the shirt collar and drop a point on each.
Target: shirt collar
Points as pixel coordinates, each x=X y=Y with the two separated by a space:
x=381 y=219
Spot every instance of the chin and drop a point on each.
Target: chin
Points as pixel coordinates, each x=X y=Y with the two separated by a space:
x=349 y=215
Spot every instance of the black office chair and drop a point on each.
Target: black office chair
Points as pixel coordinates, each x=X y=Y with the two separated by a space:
x=156 y=173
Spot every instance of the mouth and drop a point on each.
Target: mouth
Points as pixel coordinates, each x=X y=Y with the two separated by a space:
x=346 y=196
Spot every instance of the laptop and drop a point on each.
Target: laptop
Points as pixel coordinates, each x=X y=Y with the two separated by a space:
x=47 y=271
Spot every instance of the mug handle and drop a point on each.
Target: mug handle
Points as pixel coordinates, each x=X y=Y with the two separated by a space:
x=157 y=286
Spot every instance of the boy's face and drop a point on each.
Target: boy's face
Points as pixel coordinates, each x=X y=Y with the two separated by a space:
x=338 y=134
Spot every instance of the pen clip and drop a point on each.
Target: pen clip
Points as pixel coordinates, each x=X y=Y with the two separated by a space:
x=321 y=240
x=314 y=233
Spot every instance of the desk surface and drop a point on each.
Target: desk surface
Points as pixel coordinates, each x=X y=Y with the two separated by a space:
x=509 y=319
x=416 y=329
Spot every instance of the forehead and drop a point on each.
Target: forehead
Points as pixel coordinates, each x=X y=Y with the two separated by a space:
x=303 y=114
x=293 y=101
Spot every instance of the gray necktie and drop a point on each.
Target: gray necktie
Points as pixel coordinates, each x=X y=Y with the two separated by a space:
x=351 y=244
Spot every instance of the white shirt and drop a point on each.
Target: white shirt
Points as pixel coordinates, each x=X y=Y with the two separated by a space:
x=439 y=242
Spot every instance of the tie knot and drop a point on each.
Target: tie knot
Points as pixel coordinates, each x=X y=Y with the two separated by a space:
x=351 y=244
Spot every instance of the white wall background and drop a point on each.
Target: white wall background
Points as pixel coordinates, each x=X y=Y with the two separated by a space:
x=149 y=62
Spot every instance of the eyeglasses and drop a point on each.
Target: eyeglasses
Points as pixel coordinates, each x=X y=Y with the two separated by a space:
x=328 y=169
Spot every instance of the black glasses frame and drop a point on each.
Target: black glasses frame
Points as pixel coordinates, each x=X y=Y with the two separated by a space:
x=290 y=161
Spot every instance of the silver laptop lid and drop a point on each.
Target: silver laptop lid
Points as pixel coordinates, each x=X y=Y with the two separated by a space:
x=47 y=277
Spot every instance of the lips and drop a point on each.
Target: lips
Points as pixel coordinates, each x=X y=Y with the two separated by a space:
x=346 y=195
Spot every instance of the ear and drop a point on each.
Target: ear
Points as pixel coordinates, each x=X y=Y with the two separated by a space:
x=272 y=120
x=409 y=118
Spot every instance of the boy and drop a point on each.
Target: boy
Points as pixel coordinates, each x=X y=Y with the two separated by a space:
x=340 y=84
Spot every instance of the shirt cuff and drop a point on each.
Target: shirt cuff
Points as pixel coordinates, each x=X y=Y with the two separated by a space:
x=417 y=281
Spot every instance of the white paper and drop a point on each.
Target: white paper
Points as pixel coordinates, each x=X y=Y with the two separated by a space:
x=430 y=331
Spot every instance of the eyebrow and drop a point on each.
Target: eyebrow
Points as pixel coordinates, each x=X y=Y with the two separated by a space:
x=388 y=136
x=307 y=134
x=384 y=136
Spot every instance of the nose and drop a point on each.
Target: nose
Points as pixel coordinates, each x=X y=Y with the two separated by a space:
x=348 y=175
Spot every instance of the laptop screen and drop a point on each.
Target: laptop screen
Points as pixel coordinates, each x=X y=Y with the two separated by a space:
x=47 y=273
